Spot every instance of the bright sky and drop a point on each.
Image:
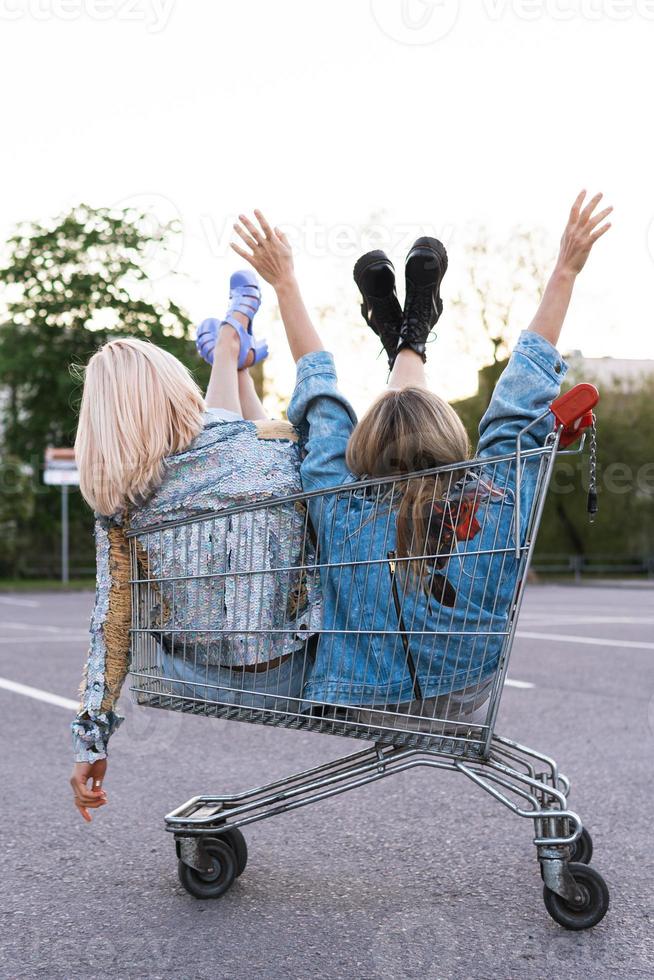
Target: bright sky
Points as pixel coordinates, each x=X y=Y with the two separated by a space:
x=429 y=115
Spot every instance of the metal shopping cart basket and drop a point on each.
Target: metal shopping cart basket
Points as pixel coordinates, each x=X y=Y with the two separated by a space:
x=220 y=624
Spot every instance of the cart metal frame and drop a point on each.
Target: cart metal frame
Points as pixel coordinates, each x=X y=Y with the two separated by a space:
x=207 y=828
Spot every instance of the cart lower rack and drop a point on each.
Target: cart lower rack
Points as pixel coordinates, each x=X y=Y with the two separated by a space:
x=314 y=612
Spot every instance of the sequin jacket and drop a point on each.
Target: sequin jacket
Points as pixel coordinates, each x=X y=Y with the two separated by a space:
x=228 y=463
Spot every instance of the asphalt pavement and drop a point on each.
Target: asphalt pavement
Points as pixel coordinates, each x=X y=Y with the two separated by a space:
x=421 y=875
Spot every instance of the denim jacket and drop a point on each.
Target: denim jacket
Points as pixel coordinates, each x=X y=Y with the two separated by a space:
x=451 y=648
x=229 y=462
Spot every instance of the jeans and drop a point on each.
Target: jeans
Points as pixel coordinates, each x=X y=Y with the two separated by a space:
x=279 y=688
x=467 y=707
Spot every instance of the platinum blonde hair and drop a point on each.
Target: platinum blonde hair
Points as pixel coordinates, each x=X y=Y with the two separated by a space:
x=139 y=405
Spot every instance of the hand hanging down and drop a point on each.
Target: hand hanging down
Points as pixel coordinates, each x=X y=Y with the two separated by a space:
x=89 y=799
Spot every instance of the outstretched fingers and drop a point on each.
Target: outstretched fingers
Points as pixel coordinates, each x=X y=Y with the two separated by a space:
x=241 y=251
x=598 y=218
x=271 y=255
x=600 y=231
x=591 y=226
x=255 y=232
x=576 y=207
x=265 y=227
x=251 y=242
x=590 y=207
x=583 y=229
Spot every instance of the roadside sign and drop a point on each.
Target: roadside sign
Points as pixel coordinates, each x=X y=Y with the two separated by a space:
x=61 y=471
x=60 y=468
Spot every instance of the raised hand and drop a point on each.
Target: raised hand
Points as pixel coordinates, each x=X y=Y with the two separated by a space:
x=583 y=229
x=270 y=251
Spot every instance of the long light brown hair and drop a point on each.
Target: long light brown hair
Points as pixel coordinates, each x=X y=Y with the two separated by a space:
x=407 y=430
x=139 y=405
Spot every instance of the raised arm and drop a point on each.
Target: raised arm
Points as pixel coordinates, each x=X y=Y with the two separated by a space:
x=583 y=229
x=323 y=416
x=533 y=376
x=271 y=255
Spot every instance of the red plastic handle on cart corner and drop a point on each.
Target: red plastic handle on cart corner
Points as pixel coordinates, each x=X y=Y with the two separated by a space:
x=574 y=411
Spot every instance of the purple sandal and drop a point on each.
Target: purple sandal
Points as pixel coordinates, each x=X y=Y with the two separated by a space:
x=245 y=298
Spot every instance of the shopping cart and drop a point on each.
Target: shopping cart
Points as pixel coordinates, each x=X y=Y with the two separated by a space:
x=198 y=589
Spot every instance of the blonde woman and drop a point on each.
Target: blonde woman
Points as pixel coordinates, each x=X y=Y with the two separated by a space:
x=408 y=428
x=149 y=447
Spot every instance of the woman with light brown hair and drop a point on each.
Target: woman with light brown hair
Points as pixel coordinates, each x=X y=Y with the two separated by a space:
x=372 y=541
x=151 y=449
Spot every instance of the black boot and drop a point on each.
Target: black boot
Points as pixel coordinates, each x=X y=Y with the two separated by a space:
x=426 y=265
x=375 y=276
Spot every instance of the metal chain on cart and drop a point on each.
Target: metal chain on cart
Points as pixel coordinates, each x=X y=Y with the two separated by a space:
x=592 y=473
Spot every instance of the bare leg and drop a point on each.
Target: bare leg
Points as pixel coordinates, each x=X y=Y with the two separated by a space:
x=223 y=388
x=250 y=403
x=408 y=370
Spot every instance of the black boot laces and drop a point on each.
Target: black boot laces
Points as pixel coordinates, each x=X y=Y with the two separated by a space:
x=420 y=315
x=383 y=316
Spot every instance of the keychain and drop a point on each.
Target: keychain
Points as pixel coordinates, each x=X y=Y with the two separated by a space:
x=592 y=473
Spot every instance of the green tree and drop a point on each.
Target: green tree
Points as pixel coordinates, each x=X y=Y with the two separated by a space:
x=624 y=527
x=71 y=285
x=16 y=510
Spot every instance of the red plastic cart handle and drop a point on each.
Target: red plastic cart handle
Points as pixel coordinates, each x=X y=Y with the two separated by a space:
x=574 y=411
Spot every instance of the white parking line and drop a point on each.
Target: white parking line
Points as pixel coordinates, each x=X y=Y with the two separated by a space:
x=6 y=600
x=8 y=624
x=38 y=695
x=59 y=638
x=544 y=619
x=599 y=641
x=523 y=685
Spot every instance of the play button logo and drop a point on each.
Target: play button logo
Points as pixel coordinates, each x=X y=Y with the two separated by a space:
x=415 y=22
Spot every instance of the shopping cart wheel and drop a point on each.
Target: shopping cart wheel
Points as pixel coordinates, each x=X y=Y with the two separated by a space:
x=582 y=850
x=236 y=841
x=214 y=883
x=594 y=906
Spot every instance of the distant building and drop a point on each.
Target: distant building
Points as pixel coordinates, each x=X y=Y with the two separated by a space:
x=607 y=372
x=611 y=371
